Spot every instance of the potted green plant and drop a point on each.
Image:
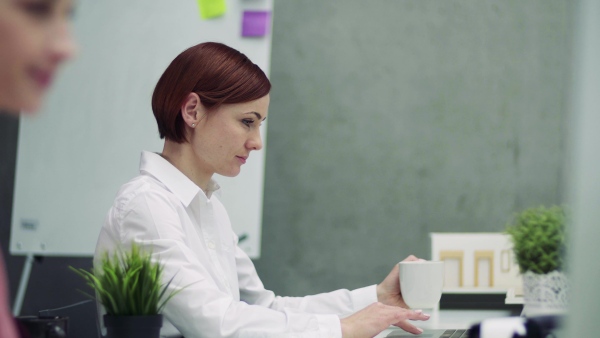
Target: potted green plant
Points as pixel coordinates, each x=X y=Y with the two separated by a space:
x=539 y=244
x=129 y=286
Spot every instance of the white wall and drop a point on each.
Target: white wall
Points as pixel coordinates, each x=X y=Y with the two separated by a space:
x=86 y=143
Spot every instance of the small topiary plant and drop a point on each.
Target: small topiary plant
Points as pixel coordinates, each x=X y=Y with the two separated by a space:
x=538 y=237
x=129 y=283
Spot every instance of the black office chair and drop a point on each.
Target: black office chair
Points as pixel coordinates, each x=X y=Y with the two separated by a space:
x=83 y=318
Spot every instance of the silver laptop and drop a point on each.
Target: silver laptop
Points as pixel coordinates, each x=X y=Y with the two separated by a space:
x=441 y=333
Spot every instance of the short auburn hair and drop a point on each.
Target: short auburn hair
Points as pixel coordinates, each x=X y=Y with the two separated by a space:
x=219 y=75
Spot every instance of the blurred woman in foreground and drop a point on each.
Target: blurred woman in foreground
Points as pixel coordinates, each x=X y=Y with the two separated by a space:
x=34 y=40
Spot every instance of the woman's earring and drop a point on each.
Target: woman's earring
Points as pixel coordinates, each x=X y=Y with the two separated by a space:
x=193 y=125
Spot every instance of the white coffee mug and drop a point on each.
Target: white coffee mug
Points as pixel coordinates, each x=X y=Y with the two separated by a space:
x=421 y=283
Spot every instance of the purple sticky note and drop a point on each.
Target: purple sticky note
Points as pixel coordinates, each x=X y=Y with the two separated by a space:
x=255 y=23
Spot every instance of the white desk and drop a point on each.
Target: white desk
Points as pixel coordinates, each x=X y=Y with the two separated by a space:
x=453 y=319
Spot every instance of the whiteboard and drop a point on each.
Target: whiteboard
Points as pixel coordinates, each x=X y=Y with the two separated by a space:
x=87 y=140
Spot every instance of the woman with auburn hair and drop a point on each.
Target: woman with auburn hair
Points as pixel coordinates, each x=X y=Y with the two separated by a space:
x=209 y=104
x=34 y=40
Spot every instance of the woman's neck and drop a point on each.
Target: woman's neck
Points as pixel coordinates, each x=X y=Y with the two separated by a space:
x=181 y=155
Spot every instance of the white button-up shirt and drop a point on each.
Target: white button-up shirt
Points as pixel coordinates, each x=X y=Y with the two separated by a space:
x=189 y=231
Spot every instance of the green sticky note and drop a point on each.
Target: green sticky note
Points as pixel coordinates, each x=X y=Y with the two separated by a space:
x=211 y=8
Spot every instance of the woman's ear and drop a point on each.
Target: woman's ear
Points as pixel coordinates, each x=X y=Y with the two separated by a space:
x=192 y=110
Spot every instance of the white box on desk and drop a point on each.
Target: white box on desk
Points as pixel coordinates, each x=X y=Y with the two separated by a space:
x=476 y=261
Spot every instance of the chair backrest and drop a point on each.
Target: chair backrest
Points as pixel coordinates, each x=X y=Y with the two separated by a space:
x=83 y=318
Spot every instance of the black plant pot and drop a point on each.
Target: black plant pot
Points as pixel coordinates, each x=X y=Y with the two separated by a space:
x=133 y=326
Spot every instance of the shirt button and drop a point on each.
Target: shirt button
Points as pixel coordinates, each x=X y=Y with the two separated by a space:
x=211 y=245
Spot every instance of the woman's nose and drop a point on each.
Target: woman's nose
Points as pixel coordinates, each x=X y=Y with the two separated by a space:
x=62 y=45
x=255 y=142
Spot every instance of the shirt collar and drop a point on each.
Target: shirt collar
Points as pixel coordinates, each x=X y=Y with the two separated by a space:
x=172 y=178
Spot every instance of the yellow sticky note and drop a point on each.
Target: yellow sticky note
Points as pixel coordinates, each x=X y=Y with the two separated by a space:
x=211 y=8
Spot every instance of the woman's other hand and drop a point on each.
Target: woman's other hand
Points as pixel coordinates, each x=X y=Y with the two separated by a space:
x=388 y=291
x=377 y=317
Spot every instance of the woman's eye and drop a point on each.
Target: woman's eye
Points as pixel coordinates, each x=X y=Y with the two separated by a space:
x=39 y=9
x=248 y=122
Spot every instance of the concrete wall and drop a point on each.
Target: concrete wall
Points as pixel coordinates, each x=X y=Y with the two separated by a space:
x=389 y=120
x=393 y=119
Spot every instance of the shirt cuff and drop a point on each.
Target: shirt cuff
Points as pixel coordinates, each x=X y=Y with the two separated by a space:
x=363 y=297
x=329 y=326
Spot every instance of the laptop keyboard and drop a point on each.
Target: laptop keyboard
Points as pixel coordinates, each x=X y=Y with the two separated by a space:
x=455 y=334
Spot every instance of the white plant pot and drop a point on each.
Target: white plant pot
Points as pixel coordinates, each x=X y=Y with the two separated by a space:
x=545 y=294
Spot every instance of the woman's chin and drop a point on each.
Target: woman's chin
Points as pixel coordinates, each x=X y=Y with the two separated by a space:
x=232 y=173
x=27 y=106
x=32 y=106
x=12 y=107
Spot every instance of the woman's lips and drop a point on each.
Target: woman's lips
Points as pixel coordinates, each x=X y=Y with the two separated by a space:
x=42 y=77
x=242 y=159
